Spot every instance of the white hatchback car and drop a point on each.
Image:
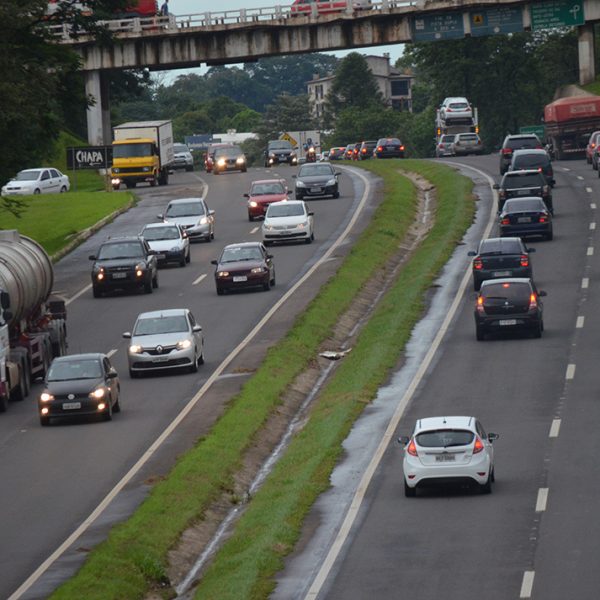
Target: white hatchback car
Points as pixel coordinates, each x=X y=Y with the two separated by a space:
x=169 y=241
x=165 y=339
x=287 y=221
x=37 y=181
x=456 y=109
x=446 y=450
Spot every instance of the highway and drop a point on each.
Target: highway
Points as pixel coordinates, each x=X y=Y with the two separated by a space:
x=536 y=535
x=54 y=478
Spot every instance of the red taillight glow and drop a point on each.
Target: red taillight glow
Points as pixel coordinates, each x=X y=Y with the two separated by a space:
x=477 y=264
x=532 y=301
x=412 y=448
x=379 y=148
x=524 y=260
x=478 y=447
x=506 y=150
x=479 y=305
x=593 y=145
x=364 y=150
x=505 y=221
x=506 y=285
x=543 y=219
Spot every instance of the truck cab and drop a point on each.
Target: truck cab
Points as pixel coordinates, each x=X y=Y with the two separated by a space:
x=135 y=161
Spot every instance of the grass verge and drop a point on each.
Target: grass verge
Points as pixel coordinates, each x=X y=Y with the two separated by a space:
x=133 y=558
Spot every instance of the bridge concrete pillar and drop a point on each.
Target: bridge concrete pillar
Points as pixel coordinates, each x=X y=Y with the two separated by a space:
x=98 y=115
x=587 y=54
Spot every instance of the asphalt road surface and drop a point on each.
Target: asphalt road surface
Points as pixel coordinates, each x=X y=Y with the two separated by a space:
x=536 y=536
x=54 y=477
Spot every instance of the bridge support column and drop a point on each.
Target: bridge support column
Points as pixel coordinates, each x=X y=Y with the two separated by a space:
x=98 y=115
x=587 y=55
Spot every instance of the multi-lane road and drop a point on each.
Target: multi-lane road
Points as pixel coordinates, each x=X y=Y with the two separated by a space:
x=54 y=478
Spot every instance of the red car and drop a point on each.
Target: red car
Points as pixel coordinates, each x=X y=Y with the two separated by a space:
x=326 y=7
x=592 y=144
x=262 y=193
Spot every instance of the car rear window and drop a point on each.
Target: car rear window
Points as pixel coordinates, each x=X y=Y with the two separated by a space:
x=467 y=136
x=446 y=139
x=512 y=291
x=389 y=142
x=505 y=246
x=523 y=204
x=516 y=143
x=444 y=438
x=458 y=105
x=512 y=181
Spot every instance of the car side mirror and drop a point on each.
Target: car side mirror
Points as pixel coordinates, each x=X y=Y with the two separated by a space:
x=92 y=257
x=127 y=335
x=492 y=436
x=337 y=173
x=311 y=213
x=196 y=328
x=112 y=374
x=211 y=212
x=542 y=293
x=269 y=256
x=246 y=195
x=290 y=192
x=214 y=262
x=496 y=186
x=161 y=216
x=471 y=253
x=403 y=439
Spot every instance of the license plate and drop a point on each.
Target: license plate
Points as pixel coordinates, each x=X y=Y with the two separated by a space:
x=505 y=322
x=71 y=405
x=315 y=190
x=502 y=273
x=240 y=278
x=119 y=275
x=445 y=457
x=161 y=256
x=524 y=220
x=523 y=193
x=160 y=359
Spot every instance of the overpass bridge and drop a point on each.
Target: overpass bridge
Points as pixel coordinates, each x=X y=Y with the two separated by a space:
x=229 y=37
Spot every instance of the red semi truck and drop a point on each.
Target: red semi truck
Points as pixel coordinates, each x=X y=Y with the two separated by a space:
x=569 y=123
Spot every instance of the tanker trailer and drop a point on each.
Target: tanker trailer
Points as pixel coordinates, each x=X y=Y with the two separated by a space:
x=32 y=326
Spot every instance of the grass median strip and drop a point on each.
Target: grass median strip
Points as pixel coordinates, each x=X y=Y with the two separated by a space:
x=132 y=560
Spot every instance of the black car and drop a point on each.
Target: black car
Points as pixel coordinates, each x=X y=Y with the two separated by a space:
x=366 y=150
x=517 y=142
x=280 y=151
x=539 y=160
x=229 y=159
x=389 y=148
x=521 y=184
x=319 y=179
x=80 y=384
x=497 y=258
x=526 y=217
x=244 y=265
x=505 y=305
x=124 y=263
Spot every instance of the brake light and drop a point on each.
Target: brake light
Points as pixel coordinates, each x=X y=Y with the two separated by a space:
x=593 y=145
x=539 y=169
x=478 y=447
x=506 y=150
x=525 y=259
x=379 y=148
x=505 y=221
x=412 y=448
x=364 y=150
x=479 y=305
x=532 y=302
x=477 y=264
x=543 y=218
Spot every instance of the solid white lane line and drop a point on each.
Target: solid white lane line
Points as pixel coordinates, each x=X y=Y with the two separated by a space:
x=527 y=584
x=570 y=371
x=566 y=169
x=580 y=177
x=361 y=490
x=580 y=322
x=254 y=230
x=554 y=428
x=112 y=352
x=588 y=190
x=592 y=226
x=590 y=251
x=585 y=282
x=199 y=279
x=542 y=500
x=593 y=205
x=75 y=535
x=79 y=293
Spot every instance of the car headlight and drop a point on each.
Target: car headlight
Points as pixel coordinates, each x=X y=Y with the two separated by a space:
x=223 y=274
x=46 y=397
x=253 y=204
x=135 y=349
x=146 y=169
x=272 y=155
x=302 y=225
x=332 y=181
x=240 y=160
x=221 y=162
x=268 y=227
x=115 y=181
x=203 y=221
x=258 y=270
x=116 y=170
x=183 y=344
x=300 y=184
x=98 y=393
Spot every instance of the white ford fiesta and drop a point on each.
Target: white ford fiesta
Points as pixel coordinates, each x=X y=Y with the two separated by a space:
x=448 y=450
x=287 y=221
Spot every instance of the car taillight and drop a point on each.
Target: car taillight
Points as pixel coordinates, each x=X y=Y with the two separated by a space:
x=478 y=447
x=477 y=264
x=479 y=304
x=412 y=448
x=532 y=302
x=364 y=150
x=538 y=147
x=505 y=221
x=525 y=259
x=593 y=145
x=506 y=150
x=539 y=169
x=543 y=219
x=379 y=148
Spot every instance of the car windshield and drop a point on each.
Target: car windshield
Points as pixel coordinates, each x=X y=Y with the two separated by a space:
x=27 y=176
x=511 y=206
x=446 y=139
x=180 y=148
x=527 y=161
x=389 y=142
x=467 y=136
x=285 y=210
x=506 y=291
x=444 y=438
x=282 y=145
x=264 y=189
x=132 y=150
x=161 y=233
x=505 y=246
x=75 y=369
x=157 y=325
x=458 y=105
x=521 y=181
x=233 y=151
x=237 y=253
x=121 y=250
x=185 y=209
x=516 y=143
x=310 y=170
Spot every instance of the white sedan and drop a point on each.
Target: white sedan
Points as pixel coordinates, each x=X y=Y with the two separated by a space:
x=287 y=221
x=448 y=449
x=37 y=181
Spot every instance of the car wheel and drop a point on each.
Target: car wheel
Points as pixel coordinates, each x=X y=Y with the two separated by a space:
x=36 y=191
x=493 y=475
x=188 y=256
x=96 y=292
x=550 y=236
x=201 y=357
x=183 y=261
x=63 y=189
x=194 y=365
x=486 y=488
x=148 y=287
x=244 y=170
x=537 y=330
x=188 y=169
x=21 y=390
x=117 y=405
x=476 y=285
x=479 y=333
x=155 y=281
x=250 y=217
x=107 y=416
x=267 y=285
x=133 y=374
x=273 y=280
x=409 y=492
x=595 y=166
x=44 y=421
x=220 y=291
x=309 y=239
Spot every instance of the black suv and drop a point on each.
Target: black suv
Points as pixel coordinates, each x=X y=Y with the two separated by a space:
x=510 y=304
x=497 y=258
x=280 y=151
x=533 y=159
x=522 y=184
x=124 y=263
x=524 y=141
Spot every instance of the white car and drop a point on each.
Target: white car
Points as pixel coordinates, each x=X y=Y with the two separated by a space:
x=165 y=339
x=182 y=157
x=193 y=216
x=446 y=449
x=37 y=181
x=456 y=109
x=169 y=241
x=287 y=221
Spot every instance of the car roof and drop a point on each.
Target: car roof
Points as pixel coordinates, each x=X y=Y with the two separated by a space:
x=522 y=172
x=282 y=181
x=501 y=240
x=185 y=200
x=161 y=224
x=455 y=99
x=523 y=136
x=522 y=151
x=81 y=356
x=489 y=282
x=243 y=245
x=169 y=312
x=432 y=423
x=286 y=203
x=518 y=200
x=118 y=239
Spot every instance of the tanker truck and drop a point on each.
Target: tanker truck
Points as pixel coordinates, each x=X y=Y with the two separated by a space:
x=33 y=326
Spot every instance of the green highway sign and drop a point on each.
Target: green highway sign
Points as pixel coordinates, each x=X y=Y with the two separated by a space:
x=487 y=21
x=557 y=13
x=537 y=129
x=443 y=26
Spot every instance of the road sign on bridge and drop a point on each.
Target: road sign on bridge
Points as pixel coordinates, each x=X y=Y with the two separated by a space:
x=443 y=26
x=557 y=13
x=504 y=19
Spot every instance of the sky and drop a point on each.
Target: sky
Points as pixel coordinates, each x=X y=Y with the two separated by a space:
x=191 y=7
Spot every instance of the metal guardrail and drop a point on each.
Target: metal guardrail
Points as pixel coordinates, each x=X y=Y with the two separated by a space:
x=275 y=14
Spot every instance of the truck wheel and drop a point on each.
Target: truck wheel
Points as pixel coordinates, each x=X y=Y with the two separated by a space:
x=130 y=184
x=21 y=390
x=154 y=182
x=3 y=404
x=116 y=188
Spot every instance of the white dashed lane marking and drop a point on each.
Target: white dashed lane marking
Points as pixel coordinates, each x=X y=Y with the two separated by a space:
x=592 y=226
x=588 y=190
x=527 y=584
x=554 y=428
x=580 y=322
x=570 y=371
x=199 y=279
x=112 y=352
x=593 y=206
x=590 y=251
x=254 y=230
x=579 y=177
x=585 y=282
x=542 y=500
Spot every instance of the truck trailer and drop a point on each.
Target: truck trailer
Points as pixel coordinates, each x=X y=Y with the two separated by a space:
x=33 y=328
x=142 y=152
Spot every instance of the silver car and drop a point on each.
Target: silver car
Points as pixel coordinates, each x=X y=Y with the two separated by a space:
x=165 y=339
x=467 y=143
x=182 y=157
x=193 y=216
x=169 y=242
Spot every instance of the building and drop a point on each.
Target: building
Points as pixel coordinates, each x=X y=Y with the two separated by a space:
x=395 y=87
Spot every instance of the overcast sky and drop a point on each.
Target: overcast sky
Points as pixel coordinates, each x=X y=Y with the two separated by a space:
x=191 y=7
